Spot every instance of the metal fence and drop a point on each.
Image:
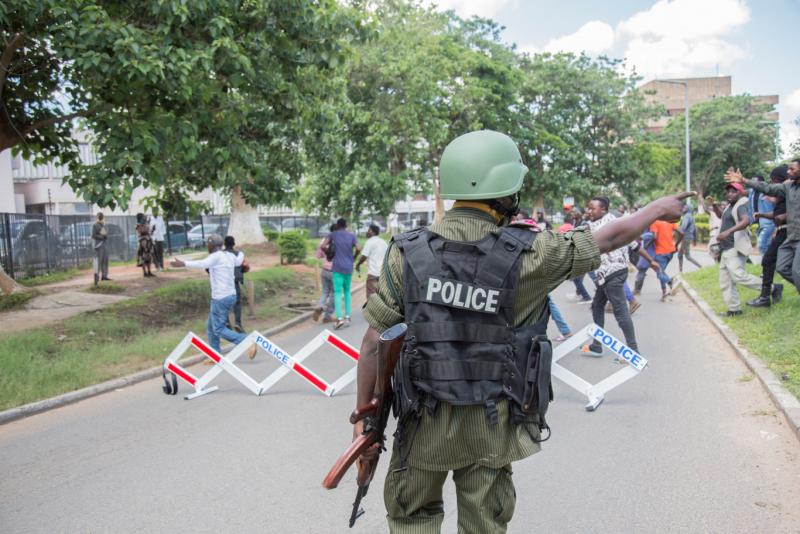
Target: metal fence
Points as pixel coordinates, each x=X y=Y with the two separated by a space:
x=34 y=244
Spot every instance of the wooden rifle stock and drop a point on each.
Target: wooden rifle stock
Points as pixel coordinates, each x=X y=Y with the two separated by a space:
x=375 y=414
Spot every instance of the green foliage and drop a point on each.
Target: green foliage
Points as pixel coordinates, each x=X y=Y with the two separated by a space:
x=270 y=234
x=763 y=331
x=178 y=96
x=725 y=132
x=15 y=301
x=292 y=246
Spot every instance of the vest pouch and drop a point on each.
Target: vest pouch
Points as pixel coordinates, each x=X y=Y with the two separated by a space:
x=406 y=396
x=538 y=391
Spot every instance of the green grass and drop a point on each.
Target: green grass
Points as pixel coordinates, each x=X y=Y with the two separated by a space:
x=769 y=333
x=15 y=301
x=127 y=336
x=51 y=278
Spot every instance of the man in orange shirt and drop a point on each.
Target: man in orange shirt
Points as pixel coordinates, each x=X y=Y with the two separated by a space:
x=665 y=249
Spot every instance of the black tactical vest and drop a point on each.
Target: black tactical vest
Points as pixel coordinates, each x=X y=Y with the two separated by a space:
x=462 y=346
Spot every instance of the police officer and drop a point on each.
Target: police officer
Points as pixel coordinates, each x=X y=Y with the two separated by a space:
x=472 y=384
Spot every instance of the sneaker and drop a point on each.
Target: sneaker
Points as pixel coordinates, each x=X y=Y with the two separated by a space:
x=777 y=293
x=619 y=360
x=760 y=302
x=634 y=305
x=238 y=328
x=347 y=322
x=586 y=301
x=664 y=294
x=251 y=352
x=317 y=313
x=562 y=337
x=592 y=350
x=674 y=285
x=339 y=324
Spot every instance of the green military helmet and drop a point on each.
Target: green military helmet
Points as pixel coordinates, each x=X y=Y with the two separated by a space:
x=481 y=165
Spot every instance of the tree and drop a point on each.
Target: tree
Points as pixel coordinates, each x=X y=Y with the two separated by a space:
x=725 y=132
x=183 y=97
x=582 y=129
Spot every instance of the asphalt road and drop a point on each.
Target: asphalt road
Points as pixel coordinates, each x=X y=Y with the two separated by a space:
x=690 y=445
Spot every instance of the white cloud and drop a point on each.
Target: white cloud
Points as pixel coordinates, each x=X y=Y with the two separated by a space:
x=481 y=8
x=792 y=102
x=683 y=37
x=594 y=37
x=687 y=19
x=790 y=133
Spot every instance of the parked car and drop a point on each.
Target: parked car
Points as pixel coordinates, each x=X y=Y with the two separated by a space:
x=36 y=244
x=176 y=239
x=196 y=236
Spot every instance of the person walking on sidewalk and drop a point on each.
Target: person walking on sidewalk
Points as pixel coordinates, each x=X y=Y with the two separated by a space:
x=345 y=247
x=772 y=293
x=144 y=254
x=220 y=266
x=325 y=252
x=687 y=236
x=374 y=251
x=735 y=247
x=788 y=263
x=99 y=239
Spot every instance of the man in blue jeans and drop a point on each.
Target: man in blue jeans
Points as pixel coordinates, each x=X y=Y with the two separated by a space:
x=220 y=266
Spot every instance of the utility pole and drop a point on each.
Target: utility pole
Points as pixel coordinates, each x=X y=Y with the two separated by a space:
x=685 y=85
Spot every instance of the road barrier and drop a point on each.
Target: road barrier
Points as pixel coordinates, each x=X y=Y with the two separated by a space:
x=595 y=393
x=289 y=363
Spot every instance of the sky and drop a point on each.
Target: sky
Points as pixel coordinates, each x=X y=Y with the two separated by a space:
x=755 y=42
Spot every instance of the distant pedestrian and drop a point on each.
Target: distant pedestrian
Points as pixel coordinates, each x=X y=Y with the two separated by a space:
x=665 y=250
x=238 y=280
x=325 y=252
x=100 y=245
x=374 y=251
x=158 y=232
x=543 y=223
x=345 y=246
x=772 y=293
x=144 y=254
x=687 y=236
x=555 y=314
x=735 y=247
x=220 y=266
x=394 y=223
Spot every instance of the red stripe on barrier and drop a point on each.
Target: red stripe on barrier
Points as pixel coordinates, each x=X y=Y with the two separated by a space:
x=339 y=344
x=308 y=375
x=181 y=373
x=205 y=349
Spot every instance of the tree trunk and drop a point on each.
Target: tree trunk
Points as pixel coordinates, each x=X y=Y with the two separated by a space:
x=7 y=284
x=244 y=225
x=438 y=206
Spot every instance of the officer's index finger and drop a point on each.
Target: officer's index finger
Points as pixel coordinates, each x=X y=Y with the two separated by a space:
x=686 y=194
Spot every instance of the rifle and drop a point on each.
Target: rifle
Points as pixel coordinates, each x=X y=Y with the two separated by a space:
x=375 y=415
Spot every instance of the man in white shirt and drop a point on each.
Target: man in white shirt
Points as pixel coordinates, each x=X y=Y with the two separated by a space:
x=158 y=232
x=220 y=266
x=374 y=251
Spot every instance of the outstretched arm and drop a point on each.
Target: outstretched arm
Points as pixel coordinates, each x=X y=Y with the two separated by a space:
x=620 y=232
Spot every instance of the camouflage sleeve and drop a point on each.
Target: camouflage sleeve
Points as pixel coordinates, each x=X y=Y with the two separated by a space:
x=385 y=308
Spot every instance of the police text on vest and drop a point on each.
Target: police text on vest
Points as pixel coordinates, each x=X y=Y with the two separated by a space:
x=461 y=295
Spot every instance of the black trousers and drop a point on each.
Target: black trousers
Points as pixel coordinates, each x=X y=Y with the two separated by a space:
x=158 y=253
x=613 y=290
x=770 y=259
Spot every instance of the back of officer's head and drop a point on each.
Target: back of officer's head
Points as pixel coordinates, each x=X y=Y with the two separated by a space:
x=483 y=166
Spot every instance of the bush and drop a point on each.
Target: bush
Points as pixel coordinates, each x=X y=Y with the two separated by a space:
x=292 y=246
x=703 y=228
x=270 y=234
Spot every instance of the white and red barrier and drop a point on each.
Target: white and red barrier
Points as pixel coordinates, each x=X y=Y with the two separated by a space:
x=595 y=393
x=289 y=363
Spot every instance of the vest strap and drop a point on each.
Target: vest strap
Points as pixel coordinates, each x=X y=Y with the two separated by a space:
x=510 y=244
x=459 y=331
x=460 y=370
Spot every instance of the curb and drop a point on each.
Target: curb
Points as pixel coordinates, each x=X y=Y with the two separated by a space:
x=781 y=397
x=58 y=401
